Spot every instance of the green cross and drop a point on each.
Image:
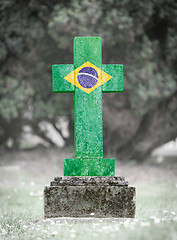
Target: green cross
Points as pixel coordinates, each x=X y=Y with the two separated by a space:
x=88 y=127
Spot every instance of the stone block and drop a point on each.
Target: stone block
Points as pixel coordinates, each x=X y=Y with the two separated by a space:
x=101 y=197
x=89 y=167
x=116 y=82
x=58 y=74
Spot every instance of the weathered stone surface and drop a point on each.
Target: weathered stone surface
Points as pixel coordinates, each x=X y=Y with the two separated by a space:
x=88 y=78
x=88 y=196
x=92 y=197
x=85 y=181
x=89 y=167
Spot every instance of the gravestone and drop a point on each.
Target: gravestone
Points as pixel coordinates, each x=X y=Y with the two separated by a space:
x=88 y=187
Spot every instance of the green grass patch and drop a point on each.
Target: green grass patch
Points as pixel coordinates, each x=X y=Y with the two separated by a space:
x=21 y=216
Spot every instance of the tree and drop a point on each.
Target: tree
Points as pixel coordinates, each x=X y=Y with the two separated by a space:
x=141 y=35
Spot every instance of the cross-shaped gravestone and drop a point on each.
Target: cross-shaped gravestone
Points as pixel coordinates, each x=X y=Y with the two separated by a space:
x=88 y=78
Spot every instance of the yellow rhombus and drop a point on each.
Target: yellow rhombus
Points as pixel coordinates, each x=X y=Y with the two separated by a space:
x=102 y=77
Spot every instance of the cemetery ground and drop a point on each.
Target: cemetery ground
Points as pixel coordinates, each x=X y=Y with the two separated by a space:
x=24 y=174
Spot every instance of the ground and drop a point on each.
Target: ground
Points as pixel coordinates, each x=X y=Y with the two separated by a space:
x=24 y=174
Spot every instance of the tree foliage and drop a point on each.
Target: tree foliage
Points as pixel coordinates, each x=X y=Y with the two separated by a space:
x=140 y=34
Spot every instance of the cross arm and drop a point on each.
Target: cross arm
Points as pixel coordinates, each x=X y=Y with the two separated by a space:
x=115 y=84
x=60 y=71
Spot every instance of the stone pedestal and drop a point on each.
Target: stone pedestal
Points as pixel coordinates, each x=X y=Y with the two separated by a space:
x=103 y=197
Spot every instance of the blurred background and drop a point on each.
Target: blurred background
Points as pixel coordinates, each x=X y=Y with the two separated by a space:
x=141 y=35
x=37 y=126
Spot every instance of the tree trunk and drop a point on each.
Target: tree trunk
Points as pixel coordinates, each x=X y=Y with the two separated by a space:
x=156 y=127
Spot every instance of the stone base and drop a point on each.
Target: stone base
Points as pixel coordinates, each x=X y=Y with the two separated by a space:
x=106 y=197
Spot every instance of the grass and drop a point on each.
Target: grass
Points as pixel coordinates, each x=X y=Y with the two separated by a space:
x=21 y=216
x=21 y=202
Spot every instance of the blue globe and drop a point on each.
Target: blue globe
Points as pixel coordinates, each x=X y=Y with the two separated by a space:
x=87 y=77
